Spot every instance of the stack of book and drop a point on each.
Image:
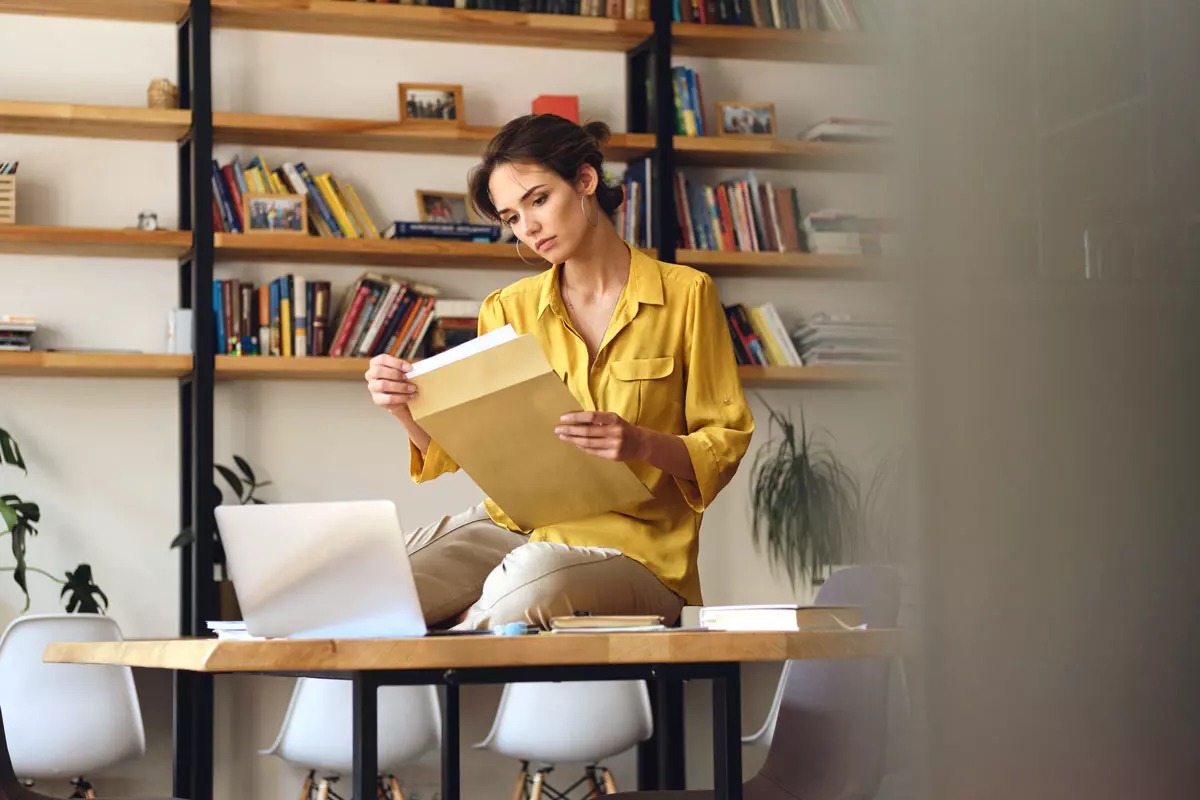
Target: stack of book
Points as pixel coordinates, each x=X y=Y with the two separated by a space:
x=739 y=215
x=456 y=231
x=635 y=217
x=457 y=323
x=812 y=15
x=851 y=130
x=759 y=337
x=689 y=102
x=292 y=316
x=843 y=339
x=333 y=206
x=16 y=332
x=9 y=167
x=840 y=233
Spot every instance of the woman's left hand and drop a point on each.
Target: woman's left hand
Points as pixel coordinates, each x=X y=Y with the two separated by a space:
x=603 y=434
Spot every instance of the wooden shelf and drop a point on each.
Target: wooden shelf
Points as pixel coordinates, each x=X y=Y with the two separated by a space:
x=382 y=135
x=94 y=122
x=777 y=265
x=136 y=10
x=42 y=364
x=97 y=242
x=352 y=369
x=310 y=368
x=433 y=24
x=767 y=153
x=768 y=44
x=375 y=252
x=833 y=377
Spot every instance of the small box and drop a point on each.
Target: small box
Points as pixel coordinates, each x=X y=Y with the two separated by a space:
x=8 y=199
x=564 y=105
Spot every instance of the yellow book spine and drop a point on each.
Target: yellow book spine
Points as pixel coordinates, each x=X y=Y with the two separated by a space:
x=759 y=322
x=277 y=185
x=360 y=211
x=339 y=213
x=285 y=327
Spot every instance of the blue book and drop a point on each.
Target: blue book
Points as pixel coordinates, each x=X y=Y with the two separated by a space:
x=219 y=313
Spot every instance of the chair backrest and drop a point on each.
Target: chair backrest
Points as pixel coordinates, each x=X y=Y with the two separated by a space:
x=570 y=722
x=318 y=728
x=831 y=730
x=66 y=720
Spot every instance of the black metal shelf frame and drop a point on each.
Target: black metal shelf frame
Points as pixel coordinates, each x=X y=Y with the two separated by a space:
x=649 y=95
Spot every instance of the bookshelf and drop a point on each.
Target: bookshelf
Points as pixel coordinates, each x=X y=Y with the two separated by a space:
x=132 y=10
x=433 y=24
x=53 y=240
x=52 y=364
x=381 y=135
x=198 y=128
x=770 y=44
x=727 y=264
x=97 y=122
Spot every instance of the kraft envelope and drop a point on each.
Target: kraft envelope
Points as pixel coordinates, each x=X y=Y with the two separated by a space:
x=494 y=413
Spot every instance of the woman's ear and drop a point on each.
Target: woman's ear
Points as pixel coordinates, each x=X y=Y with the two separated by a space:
x=587 y=181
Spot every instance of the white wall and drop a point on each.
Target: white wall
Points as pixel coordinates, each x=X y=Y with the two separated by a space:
x=103 y=455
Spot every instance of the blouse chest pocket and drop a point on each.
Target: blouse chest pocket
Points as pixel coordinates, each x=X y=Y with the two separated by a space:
x=648 y=392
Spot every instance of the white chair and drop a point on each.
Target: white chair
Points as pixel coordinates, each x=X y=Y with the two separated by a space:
x=317 y=732
x=573 y=722
x=66 y=721
x=764 y=735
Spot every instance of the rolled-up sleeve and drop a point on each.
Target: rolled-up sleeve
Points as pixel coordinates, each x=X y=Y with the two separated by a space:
x=719 y=421
x=435 y=461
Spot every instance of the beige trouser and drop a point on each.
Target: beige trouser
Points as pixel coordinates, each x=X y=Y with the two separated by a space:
x=467 y=562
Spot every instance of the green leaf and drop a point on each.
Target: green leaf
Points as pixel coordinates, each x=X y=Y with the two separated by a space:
x=245 y=468
x=8 y=514
x=184 y=537
x=258 y=502
x=231 y=478
x=10 y=452
x=82 y=592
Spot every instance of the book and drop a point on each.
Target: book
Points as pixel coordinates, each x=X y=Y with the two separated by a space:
x=780 y=617
x=492 y=404
x=607 y=623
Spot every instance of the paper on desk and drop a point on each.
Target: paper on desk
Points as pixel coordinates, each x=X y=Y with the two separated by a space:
x=494 y=411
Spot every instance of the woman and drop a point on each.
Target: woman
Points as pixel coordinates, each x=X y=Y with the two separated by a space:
x=643 y=345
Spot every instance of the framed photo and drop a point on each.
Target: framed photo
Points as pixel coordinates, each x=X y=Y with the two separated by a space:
x=433 y=105
x=746 y=119
x=276 y=213
x=443 y=207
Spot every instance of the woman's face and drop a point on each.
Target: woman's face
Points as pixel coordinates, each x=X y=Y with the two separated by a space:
x=542 y=209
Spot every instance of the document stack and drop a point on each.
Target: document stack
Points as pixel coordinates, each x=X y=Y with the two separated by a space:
x=16 y=333
x=845 y=340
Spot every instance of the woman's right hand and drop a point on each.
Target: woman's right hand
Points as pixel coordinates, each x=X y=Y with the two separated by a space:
x=390 y=388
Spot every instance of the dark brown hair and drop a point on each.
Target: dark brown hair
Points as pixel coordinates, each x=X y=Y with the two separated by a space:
x=552 y=141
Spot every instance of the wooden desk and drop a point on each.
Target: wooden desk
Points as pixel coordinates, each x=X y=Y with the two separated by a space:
x=456 y=660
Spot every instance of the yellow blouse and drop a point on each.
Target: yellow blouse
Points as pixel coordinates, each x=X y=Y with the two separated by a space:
x=667 y=363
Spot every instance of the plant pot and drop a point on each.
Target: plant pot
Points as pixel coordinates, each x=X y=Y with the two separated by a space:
x=228 y=608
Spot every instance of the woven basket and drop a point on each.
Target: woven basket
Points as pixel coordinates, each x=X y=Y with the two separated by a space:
x=162 y=94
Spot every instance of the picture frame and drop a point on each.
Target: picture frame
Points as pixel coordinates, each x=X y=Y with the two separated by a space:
x=746 y=120
x=431 y=105
x=444 y=207
x=275 y=213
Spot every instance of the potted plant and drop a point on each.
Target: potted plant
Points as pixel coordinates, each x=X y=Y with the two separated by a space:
x=804 y=502
x=243 y=486
x=20 y=519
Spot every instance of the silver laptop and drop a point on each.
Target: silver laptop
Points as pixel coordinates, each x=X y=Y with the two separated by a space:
x=334 y=570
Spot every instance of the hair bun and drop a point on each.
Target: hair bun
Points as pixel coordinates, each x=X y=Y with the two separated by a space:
x=598 y=131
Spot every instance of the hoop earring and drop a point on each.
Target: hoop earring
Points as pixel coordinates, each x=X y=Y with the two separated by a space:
x=527 y=261
x=583 y=210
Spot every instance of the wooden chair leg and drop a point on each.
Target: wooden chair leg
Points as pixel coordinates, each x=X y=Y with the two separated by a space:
x=323 y=789
x=538 y=780
x=394 y=782
x=593 y=784
x=306 y=789
x=519 y=787
x=610 y=784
